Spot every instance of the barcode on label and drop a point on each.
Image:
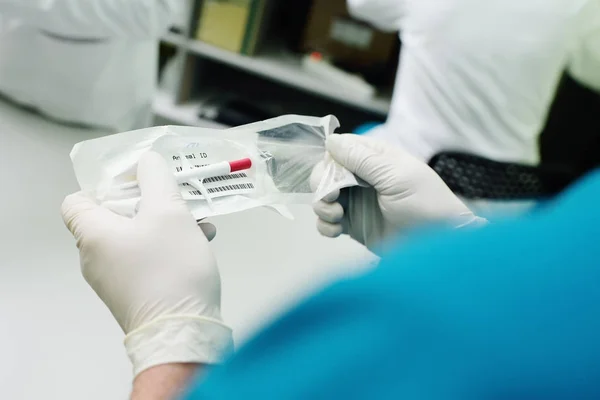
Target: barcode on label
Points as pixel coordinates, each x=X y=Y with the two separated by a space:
x=221 y=178
x=225 y=178
x=225 y=188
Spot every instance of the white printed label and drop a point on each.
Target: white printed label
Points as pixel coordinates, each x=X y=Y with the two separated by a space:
x=238 y=183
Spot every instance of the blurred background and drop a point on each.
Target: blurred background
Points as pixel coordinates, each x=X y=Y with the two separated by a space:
x=81 y=74
x=311 y=57
x=301 y=57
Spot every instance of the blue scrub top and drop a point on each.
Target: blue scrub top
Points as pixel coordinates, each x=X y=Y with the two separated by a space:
x=510 y=311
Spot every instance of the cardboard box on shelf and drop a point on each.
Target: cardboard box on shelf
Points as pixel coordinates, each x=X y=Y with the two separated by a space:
x=234 y=25
x=342 y=39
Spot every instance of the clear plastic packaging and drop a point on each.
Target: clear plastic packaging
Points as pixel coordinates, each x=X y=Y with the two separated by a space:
x=283 y=151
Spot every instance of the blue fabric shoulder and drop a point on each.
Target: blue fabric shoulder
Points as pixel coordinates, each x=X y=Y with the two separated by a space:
x=511 y=311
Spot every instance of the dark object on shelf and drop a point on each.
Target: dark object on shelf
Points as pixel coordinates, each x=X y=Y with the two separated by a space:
x=165 y=53
x=381 y=74
x=234 y=25
x=475 y=177
x=342 y=39
x=289 y=22
x=176 y=30
x=235 y=112
x=571 y=137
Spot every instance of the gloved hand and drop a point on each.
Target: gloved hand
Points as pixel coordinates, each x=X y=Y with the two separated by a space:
x=155 y=272
x=403 y=192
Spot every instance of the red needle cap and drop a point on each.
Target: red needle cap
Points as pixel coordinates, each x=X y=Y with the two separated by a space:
x=240 y=165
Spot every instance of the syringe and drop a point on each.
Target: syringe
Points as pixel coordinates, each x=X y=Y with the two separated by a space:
x=207 y=171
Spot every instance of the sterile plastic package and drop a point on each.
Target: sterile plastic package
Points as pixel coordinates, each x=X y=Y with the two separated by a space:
x=283 y=152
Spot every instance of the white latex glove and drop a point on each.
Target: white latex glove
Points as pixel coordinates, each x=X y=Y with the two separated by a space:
x=403 y=192
x=155 y=272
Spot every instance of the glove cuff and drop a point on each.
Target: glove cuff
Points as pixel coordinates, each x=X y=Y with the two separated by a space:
x=178 y=339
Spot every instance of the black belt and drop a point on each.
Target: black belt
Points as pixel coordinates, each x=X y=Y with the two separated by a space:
x=475 y=177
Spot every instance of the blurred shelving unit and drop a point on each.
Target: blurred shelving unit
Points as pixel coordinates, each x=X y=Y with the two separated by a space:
x=180 y=102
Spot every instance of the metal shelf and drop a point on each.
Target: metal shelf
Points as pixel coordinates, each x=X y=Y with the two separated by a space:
x=285 y=68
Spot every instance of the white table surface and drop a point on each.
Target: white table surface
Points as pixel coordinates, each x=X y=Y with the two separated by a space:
x=57 y=340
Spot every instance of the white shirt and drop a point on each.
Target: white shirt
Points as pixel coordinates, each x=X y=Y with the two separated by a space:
x=92 y=62
x=480 y=75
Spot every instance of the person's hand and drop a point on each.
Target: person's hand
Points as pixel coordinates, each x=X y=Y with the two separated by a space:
x=403 y=192
x=155 y=272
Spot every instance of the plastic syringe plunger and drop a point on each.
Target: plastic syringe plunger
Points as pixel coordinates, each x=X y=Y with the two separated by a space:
x=205 y=172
